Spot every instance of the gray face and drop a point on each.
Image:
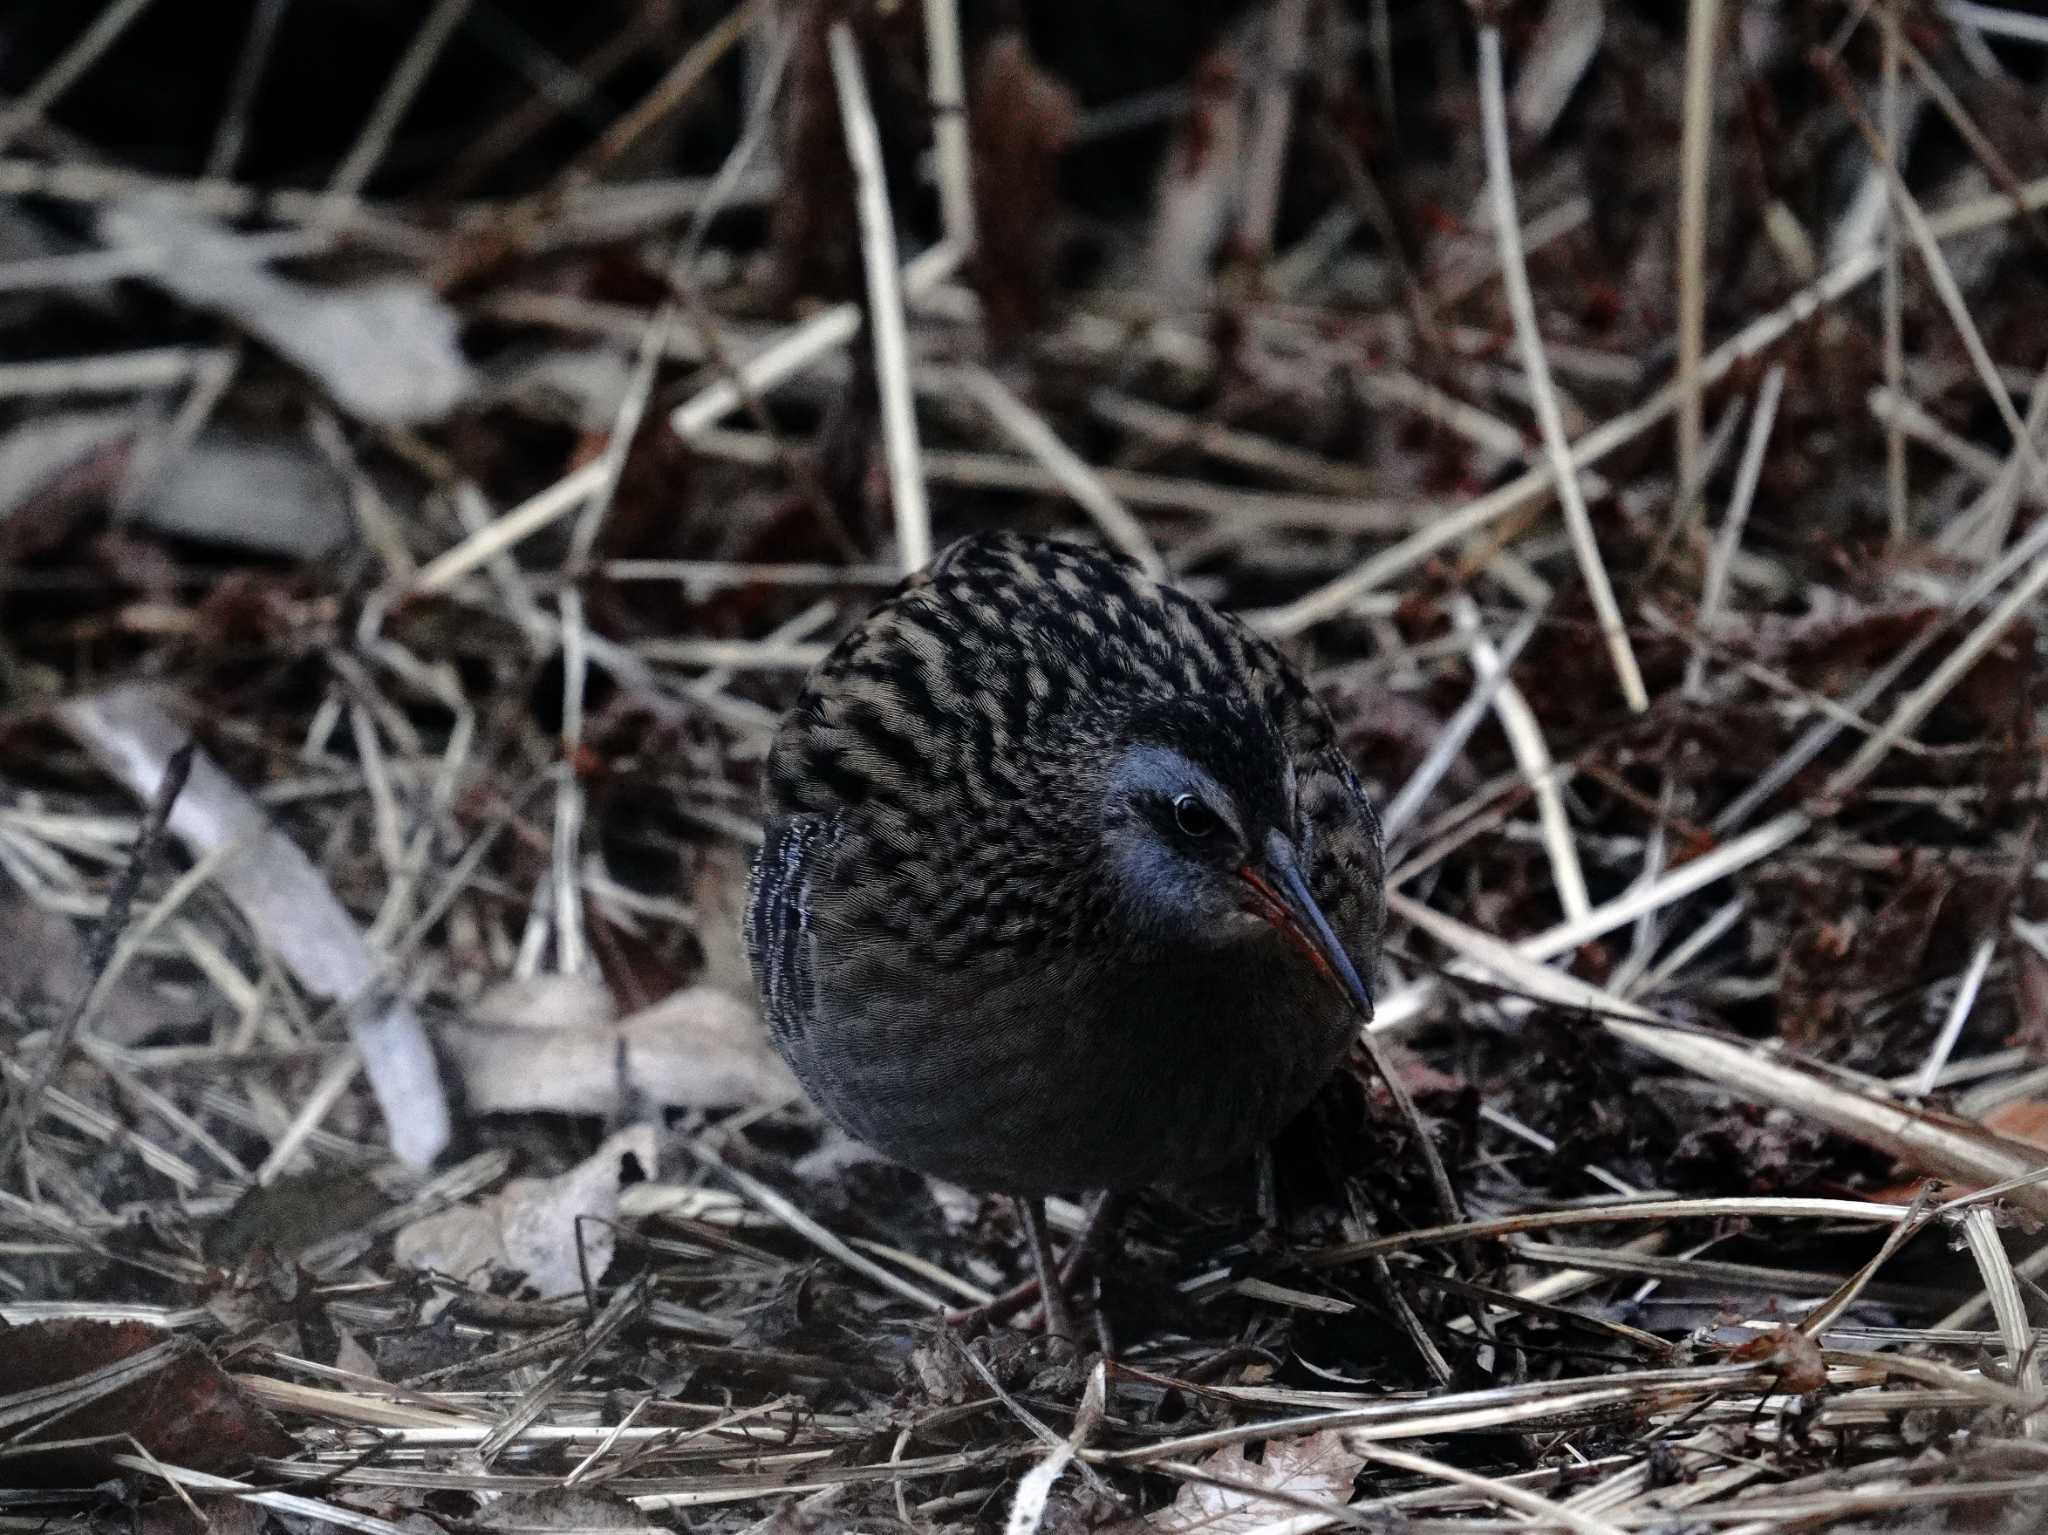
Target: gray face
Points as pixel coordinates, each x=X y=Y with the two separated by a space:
x=1198 y=865
x=1175 y=840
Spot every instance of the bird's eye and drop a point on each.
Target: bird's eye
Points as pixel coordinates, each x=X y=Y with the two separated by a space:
x=1194 y=818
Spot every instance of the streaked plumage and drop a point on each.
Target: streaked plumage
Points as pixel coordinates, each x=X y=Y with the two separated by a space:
x=984 y=947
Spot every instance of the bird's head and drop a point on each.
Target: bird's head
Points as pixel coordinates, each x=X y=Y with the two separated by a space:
x=1204 y=848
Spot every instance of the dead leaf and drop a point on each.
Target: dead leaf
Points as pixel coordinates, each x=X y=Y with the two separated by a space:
x=1792 y=1352
x=224 y=1516
x=349 y=1354
x=2025 y=1120
x=386 y=352
x=552 y=1046
x=286 y=900
x=1315 y=1466
x=465 y=1243
x=531 y=1227
x=580 y=387
x=174 y=1400
x=46 y=972
x=1567 y=41
x=266 y=494
x=719 y=895
x=548 y=1001
x=571 y=1510
x=2030 y=999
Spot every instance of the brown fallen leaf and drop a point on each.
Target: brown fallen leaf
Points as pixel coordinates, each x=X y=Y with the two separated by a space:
x=2030 y=998
x=1315 y=1466
x=47 y=973
x=1794 y=1354
x=387 y=351
x=571 y=1510
x=2026 y=1119
x=112 y=1380
x=532 y=1226
x=552 y=1045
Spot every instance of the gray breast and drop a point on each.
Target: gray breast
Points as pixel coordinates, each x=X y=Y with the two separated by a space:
x=1066 y=1078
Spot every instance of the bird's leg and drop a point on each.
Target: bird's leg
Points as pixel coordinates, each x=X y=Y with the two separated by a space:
x=1000 y=1308
x=1105 y=1219
x=1266 y=1190
x=1105 y=1216
x=1059 y=1318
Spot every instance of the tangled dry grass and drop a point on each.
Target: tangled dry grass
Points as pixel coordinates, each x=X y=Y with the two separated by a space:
x=436 y=447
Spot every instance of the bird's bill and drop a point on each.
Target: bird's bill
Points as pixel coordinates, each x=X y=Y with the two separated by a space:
x=1280 y=894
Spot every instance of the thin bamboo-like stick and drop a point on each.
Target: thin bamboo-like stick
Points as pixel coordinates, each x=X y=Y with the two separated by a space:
x=1335 y=595
x=1890 y=297
x=1068 y=469
x=1695 y=146
x=105 y=30
x=399 y=91
x=1532 y=755
x=1515 y=274
x=952 y=154
x=885 y=303
x=1729 y=539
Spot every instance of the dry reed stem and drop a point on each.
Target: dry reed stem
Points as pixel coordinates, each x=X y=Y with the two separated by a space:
x=1068 y=470
x=1525 y=739
x=1951 y=1148
x=1522 y=303
x=1747 y=475
x=1266 y=155
x=1408 y=1003
x=1539 y=1509
x=1943 y=278
x=1335 y=595
x=1958 y=1014
x=395 y=761
x=952 y=151
x=1997 y=20
x=884 y=304
x=1490 y=674
x=396 y=99
x=1891 y=296
x=1160 y=492
x=27 y=110
x=1702 y=37
x=498 y=536
x=669 y=92
x=804 y=344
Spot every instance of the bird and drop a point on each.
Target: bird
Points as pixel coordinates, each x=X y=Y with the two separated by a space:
x=1065 y=885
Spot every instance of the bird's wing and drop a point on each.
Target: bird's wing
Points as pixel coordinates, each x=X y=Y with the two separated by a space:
x=1339 y=766
x=781 y=946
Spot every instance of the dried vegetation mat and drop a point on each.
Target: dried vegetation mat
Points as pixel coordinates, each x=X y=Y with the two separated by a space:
x=435 y=440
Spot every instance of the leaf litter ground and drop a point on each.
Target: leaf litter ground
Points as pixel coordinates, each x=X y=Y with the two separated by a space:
x=467 y=433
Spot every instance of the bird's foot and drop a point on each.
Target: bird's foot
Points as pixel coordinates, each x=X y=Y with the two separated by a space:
x=1105 y=1216
x=1052 y=1288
